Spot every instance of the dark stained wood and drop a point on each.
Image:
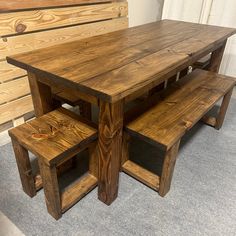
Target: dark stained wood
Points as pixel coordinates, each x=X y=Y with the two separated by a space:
x=125 y=148
x=181 y=107
x=109 y=150
x=51 y=189
x=218 y=121
x=24 y=168
x=60 y=132
x=97 y=45
x=168 y=169
x=70 y=96
x=85 y=109
x=77 y=191
x=41 y=96
x=216 y=58
x=203 y=63
x=224 y=106
x=93 y=160
x=118 y=66
x=177 y=109
x=209 y=120
x=14 y=5
x=145 y=55
x=55 y=138
x=141 y=174
x=66 y=97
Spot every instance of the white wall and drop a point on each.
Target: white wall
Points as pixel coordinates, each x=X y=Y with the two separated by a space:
x=213 y=12
x=223 y=13
x=144 y=11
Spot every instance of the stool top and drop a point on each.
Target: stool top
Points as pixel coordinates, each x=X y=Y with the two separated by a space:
x=55 y=135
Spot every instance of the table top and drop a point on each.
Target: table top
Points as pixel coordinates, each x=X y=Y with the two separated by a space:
x=115 y=65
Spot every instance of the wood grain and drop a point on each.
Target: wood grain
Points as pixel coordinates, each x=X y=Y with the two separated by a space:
x=112 y=40
x=70 y=96
x=180 y=108
x=168 y=169
x=224 y=106
x=77 y=191
x=109 y=150
x=17 y=108
x=16 y=5
x=41 y=96
x=9 y=72
x=24 y=168
x=51 y=189
x=143 y=56
x=14 y=89
x=38 y=24
x=28 y=21
x=150 y=68
x=29 y=42
x=141 y=174
x=60 y=132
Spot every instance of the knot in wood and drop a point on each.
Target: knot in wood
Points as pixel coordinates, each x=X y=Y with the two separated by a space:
x=39 y=136
x=20 y=28
x=4 y=40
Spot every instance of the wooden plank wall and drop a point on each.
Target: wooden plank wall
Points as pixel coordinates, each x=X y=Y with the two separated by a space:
x=27 y=25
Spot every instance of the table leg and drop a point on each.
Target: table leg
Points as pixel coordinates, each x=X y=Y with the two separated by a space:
x=109 y=150
x=41 y=95
x=216 y=58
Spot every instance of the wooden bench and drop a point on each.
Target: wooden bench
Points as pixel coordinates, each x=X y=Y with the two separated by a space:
x=54 y=138
x=169 y=116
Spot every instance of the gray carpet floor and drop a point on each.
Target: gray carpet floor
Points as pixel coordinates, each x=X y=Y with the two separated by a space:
x=202 y=200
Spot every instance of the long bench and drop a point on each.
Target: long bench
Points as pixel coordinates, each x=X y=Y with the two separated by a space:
x=166 y=117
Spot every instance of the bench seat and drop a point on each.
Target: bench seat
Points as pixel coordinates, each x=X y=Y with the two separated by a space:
x=163 y=119
x=181 y=106
x=55 y=138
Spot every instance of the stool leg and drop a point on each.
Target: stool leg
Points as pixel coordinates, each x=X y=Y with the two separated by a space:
x=168 y=169
x=223 y=108
x=24 y=168
x=51 y=189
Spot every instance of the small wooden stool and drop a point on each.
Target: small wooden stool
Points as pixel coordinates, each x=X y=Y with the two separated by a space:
x=55 y=138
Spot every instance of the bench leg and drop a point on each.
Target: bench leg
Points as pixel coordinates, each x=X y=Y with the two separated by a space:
x=51 y=189
x=24 y=168
x=223 y=109
x=218 y=121
x=168 y=169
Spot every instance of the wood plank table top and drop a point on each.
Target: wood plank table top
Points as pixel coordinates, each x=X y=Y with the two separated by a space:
x=114 y=65
x=114 y=68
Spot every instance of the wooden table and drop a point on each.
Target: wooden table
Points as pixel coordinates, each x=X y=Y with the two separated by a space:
x=117 y=67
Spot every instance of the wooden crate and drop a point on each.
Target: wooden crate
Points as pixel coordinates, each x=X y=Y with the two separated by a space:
x=27 y=25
